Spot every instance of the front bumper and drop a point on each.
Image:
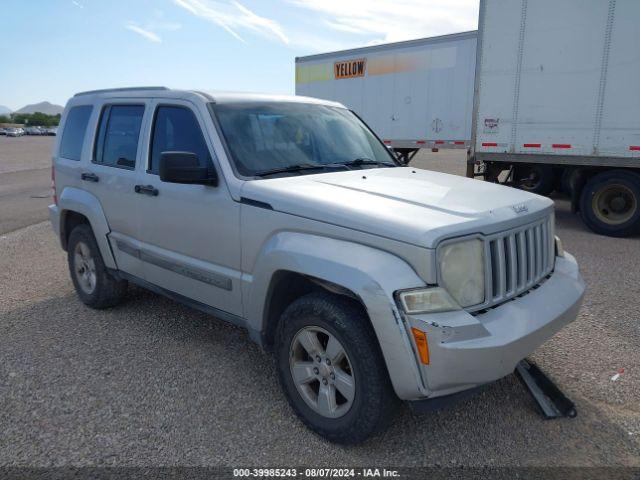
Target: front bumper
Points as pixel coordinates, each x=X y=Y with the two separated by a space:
x=469 y=350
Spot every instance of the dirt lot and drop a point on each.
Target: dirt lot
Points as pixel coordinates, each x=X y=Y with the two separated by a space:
x=25 y=181
x=154 y=383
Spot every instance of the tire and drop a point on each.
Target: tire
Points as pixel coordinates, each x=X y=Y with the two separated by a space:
x=568 y=180
x=610 y=203
x=373 y=402
x=535 y=178
x=95 y=286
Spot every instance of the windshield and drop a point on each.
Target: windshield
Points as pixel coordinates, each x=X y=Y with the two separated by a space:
x=266 y=138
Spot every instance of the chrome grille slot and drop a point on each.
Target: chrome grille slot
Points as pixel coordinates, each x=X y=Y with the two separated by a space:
x=517 y=260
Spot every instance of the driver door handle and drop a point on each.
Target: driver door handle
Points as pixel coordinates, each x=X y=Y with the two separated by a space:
x=89 y=177
x=147 y=190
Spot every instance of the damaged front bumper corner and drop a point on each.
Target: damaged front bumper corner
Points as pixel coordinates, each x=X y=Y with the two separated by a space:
x=467 y=351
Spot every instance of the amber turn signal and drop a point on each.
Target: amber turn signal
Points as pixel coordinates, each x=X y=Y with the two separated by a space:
x=421 y=342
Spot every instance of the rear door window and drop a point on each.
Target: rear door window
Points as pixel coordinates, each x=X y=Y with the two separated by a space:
x=75 y=128
x=176 y=129
x=118 y=136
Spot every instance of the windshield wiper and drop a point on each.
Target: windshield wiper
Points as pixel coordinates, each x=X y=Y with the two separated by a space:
x=316 y=166
x=291 y=168
x=367 y=161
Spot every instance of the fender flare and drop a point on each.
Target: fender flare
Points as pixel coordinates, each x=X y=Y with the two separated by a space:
x=76 y=200
x=372 y=274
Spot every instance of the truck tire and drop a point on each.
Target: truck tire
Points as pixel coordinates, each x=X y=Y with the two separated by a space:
x=331 y=368
x=610 y=203
x=535 y=178
x=568 y=179
x=95 y=286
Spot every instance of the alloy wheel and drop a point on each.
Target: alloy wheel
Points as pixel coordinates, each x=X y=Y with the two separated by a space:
x=322 y=372
x=84 y=268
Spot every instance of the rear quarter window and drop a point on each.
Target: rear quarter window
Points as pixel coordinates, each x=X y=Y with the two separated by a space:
x=75 y=128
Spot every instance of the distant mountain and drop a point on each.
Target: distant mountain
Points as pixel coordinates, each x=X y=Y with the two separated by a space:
x=4 y=110
x=42 y=107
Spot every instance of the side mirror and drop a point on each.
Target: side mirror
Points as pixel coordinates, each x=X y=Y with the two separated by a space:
x=184 y=167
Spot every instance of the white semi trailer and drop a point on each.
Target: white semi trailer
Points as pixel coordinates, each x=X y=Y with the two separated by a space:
x=415 y=94
x=557 y=103
x=546 y=90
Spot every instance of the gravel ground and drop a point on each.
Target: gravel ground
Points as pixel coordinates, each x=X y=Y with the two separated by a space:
x=154 y=383
x=25 y=181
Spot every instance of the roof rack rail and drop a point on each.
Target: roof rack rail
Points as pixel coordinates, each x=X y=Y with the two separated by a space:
x=123 y=89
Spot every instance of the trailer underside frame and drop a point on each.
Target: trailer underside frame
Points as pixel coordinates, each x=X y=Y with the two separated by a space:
x=552 y=159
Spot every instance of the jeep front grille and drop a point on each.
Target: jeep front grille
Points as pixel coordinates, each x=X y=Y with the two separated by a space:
x=517 y=260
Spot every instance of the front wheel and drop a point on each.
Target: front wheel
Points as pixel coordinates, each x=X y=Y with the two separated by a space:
x=331 y=368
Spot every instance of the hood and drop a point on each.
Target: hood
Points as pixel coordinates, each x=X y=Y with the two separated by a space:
x=415 y=206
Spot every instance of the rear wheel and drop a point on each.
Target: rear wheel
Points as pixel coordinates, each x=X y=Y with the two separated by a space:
x=610 y=203
x=535 y=178
x=95 y=286
x=331 y=368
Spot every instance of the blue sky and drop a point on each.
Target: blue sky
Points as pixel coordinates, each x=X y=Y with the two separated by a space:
x=54 y=48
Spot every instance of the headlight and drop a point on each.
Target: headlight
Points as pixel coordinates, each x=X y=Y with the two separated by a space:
x=462 y=271
x=426 y=300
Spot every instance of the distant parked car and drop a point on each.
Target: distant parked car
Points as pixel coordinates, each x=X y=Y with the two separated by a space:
x=34 y=131
x=3 y=131
x=52 y=131
x=15 y=132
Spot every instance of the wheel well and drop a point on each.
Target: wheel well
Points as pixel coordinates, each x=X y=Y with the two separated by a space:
x=287 y=286
x=71 y=220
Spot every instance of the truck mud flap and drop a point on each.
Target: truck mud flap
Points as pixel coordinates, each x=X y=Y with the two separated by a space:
x=552 y=402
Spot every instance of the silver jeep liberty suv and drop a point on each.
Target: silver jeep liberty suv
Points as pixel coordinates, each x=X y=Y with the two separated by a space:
x=369 y=281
